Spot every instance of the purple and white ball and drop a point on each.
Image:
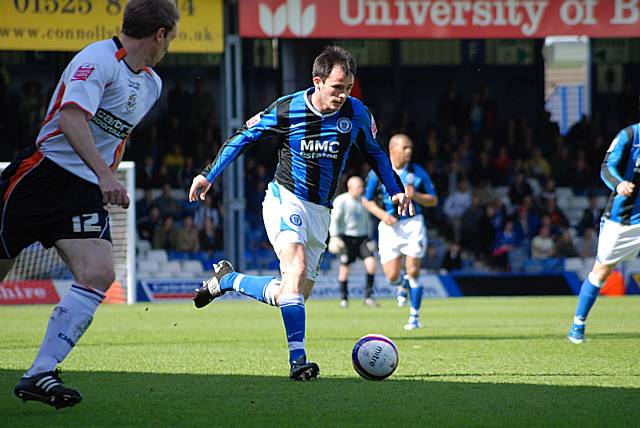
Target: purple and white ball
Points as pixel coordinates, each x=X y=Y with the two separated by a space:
x=375 y=357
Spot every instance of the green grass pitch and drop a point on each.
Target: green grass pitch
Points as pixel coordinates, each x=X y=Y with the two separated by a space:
x=476 y=362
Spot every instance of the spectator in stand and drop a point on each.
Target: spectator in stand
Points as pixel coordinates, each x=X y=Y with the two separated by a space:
x=470 y=223
x=452 y=259
x=519 y=189
x=174 y=161
x=144 y=204
x=168 y=205
x=591 y=216
x=164 y=237
x=482 y=170
x=542 y=246
x=587 y=245
x=455 y=205
x=537 y=166
x=582 y=175
x=558 y=219
x=506 y=240
x=545 y=220
x=201 y=104
x=548 y=192
x=209 y=237
x=187 y=238
x=206 y=211
x=487 y=233
x=187 y=172
x=502 y=165
x=450 y=106
x=432 y=262
x=564 y=245
x=146 y=174
x=562 y=165
x=526 y=222
x=148 y=225
x=178 y=101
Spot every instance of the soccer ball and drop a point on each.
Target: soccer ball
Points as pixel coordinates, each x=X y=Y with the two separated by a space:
x=374 y=357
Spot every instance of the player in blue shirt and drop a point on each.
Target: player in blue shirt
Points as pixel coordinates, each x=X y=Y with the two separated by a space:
x=400 y=234
x=314 y=130
x=620 y=225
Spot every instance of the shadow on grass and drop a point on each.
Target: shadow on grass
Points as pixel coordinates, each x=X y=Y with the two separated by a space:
x=144 y=399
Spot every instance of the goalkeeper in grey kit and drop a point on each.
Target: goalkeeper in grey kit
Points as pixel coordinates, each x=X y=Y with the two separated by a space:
x=349 y=231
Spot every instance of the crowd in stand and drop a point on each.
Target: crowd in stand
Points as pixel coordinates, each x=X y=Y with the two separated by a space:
x=468 y=151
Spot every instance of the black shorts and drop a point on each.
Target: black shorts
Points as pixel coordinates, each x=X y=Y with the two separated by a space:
x=355 y=246
x=43 y=202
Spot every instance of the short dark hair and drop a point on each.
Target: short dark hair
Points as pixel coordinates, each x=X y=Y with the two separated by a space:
x=142 y=18
x=330 y=57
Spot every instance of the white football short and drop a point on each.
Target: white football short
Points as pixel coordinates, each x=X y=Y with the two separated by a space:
x=407 y=236
x=289 y=220
x=618 y=242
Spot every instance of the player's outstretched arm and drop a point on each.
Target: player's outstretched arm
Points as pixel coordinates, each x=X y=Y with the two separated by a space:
x=73 y=123
x=199 y=188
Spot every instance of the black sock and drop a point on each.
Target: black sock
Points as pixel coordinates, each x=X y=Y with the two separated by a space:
x=369 y=291
x=344 y=290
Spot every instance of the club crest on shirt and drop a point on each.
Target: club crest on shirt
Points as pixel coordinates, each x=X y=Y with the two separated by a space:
x=344 y=125
x=295 y=220
x=132 y=97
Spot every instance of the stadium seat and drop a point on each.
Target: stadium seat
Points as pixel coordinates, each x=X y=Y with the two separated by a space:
x=192 y=266
x=573 y=264
x=143 y=247
x=148 y=266
x=158 y=255
x=171 y=266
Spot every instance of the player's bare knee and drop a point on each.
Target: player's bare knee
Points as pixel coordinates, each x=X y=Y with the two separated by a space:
x=602 y=271
x=413 y=272
x=99 y=276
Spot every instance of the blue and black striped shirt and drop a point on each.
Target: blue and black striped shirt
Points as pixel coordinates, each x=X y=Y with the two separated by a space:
x=622 y=163
x=411 y=174
x=312 y=147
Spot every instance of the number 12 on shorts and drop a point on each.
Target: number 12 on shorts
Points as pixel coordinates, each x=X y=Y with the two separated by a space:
x=86 y=223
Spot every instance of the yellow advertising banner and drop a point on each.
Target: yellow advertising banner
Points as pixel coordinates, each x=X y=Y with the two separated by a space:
x=69 y=25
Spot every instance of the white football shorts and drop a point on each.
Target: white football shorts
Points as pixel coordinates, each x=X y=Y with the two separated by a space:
x=617 y=242
x=289 y=220
x=407 y=236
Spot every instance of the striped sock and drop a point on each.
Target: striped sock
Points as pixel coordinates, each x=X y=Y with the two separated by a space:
x=415 y=291
x=294 y=317
x=68 y=322
x=262 y=288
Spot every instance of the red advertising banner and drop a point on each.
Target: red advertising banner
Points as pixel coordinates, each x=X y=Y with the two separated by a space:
x=438 y=19
x=22 y=292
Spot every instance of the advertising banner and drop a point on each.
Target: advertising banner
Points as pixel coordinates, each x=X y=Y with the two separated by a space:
x=69 y=25
x=438 y=19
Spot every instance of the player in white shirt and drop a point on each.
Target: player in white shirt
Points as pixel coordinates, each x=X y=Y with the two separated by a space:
x=55 y=191
x=349 y=230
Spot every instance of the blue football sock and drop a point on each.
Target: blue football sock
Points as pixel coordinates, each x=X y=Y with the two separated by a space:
x=257 y=287
x=415 y=291
x=587 y=297
x=294 y=317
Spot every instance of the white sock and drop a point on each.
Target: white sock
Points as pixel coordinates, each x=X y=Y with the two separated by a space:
x=68 y=322
x=271 y=291
x=578 y=321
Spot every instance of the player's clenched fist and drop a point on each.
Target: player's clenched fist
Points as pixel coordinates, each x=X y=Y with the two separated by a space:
x=625 y=188
x=113 y=192
x=404 y=203
x=199 y=187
